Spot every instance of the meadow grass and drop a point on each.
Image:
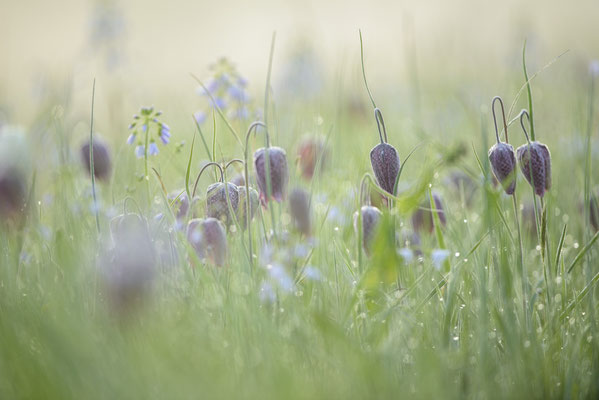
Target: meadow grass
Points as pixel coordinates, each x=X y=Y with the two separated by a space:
x=483 y=320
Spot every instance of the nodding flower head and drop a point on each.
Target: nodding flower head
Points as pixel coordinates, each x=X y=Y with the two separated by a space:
x=279 y=174
x=501 y=155
x=311 y=151
x=423 y=219
x=370 y=219
x=299 y=207
x=241 y=209
x=216 y=201
x=503 y=164
x=385 y=164
x=179 y=203
x=208 y=239
x=535 y=162
x=102 y=164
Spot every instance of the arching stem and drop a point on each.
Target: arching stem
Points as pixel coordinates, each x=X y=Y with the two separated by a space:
x=222 y=176
x=497 y=98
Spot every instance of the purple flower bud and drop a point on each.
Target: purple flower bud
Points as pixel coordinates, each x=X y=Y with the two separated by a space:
x=279 y=175
x=144 y=127
x=370 y=219
x=535 y=164
x=216 y=202
x=13 y=192
x=385 y=164
x=503 y=164
x=241 y=209
x=208 y=239
x=102 y=164
x=422 y=219
x=299 y=207
x=179 y=203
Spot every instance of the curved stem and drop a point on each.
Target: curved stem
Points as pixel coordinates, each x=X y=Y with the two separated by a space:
x=233 y=161
x=363 y=71
x=378 y=115
x=522 y=114
x=497 y=98
x=222 y=176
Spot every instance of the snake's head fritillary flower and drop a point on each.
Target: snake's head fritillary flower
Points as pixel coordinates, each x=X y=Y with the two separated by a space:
x=241 y=209
x=279 y=174
x=385 y=164
x=102 y=163
x=370 y=219
x=503 y=164
x=216 y=201
x=535 y=164
x=208 y=239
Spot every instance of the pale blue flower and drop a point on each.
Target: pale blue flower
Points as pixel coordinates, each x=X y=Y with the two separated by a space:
x=153 y=149
x=140 y=150
x=218 y=102
x=131 y=138
x=144 y=127
x=438 y=256
x=312 y=273
x=200 y=117
x=267 y=293
x=237 y=94
x=407 y=254
x=278 y=273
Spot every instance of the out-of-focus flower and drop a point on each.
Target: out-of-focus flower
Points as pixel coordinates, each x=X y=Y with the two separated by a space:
x=102 y=163
x=14 y=170
x=438 y=257
x=279 y=174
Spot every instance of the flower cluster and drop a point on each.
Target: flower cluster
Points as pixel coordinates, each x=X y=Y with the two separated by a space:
x=228 y=91
x=141 y=128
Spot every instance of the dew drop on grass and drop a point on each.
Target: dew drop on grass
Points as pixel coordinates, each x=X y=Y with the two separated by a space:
x=456 y=338
x=457 y=254
x=576 y=245
x=527 y=344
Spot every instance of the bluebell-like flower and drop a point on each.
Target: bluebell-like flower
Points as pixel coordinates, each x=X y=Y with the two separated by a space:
x=153 y=149
x=131 y=138
x=144 y=127
x=165 y=133
x=200 y=117
x=218 y=102
x=237 y=94
x=139 y=150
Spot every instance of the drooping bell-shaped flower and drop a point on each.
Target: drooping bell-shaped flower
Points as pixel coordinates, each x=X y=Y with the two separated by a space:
x=216 y=201
x=242 y=207
x=102 y=163
x=535 y=162
x=370 y=219
x=385 y=165
x=279 y=174
x=208 y=239
x=501 y=156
